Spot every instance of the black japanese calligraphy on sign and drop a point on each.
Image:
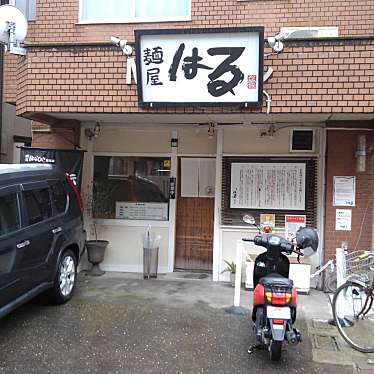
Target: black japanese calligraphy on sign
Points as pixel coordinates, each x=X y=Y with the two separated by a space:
x=153 y=77
x=154 y=56
x=216 y=87
x=220 y=87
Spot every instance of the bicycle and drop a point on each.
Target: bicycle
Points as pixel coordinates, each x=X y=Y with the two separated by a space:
x=353 y=301
x=325 y=275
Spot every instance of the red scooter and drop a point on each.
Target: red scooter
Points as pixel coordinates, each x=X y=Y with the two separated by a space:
x=274 y=296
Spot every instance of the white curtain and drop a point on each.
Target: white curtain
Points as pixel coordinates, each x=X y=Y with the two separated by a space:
x=162 y=8
x=115 y=10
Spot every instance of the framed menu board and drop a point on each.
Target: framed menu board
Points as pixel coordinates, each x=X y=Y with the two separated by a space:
x=258 y=185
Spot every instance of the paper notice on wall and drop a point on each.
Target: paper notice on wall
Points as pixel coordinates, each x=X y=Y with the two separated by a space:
x=343 y=221
x=267 y=220
x=292 y=223
x=344 y=191
x=268 y=186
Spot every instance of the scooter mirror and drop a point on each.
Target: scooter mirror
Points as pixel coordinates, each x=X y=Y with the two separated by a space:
x=249 y=219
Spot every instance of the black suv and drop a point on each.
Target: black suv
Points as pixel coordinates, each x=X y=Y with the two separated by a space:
x=41 y=234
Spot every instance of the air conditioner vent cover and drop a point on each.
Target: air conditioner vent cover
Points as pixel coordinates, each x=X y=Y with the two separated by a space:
x=310 y=32
x=302 y=140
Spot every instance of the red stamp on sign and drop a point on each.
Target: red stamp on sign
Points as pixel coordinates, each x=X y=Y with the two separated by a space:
x=252 y=81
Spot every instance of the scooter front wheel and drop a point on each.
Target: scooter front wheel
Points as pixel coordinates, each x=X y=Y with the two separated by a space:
x=275 y=350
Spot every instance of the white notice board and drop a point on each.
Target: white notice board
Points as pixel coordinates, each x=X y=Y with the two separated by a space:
x=343 y=220
x=268 y=186
x=344 y=191
x=146 y=211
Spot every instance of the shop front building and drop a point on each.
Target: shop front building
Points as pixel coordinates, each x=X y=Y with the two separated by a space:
x=193 y=117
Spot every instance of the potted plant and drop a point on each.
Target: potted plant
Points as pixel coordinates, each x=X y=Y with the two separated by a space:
x=231 y=268
x=99 y=206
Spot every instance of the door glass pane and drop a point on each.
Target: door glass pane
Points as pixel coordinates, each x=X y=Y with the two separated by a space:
x=114 y=10
x=162 y=8
x=9 y=217
x=38 y=205
x=59 y=197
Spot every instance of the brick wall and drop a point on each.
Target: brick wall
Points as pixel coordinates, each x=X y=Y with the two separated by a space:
x=323 y=77
x=45 y=136
x=10 y=77
x=341 y=148
x=58 y=20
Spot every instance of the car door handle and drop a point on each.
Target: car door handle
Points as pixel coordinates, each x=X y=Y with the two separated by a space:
x=56 y=230
x=23 y=244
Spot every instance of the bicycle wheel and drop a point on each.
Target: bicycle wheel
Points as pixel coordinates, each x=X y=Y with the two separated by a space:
x=354 y=316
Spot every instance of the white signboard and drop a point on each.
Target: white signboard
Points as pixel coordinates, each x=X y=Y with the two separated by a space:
x=292 y=224
x=200 y=67
x=344 y=191
x=145 y=211
x=343 y=220
x=268 y=186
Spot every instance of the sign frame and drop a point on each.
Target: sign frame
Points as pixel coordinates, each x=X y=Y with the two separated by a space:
x=158 y=104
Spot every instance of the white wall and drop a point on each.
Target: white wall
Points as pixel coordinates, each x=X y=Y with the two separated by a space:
x=125 y=251
x=132 y=140
x=249 y=140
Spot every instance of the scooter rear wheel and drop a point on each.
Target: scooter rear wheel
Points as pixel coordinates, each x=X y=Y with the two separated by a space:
x=275 y=350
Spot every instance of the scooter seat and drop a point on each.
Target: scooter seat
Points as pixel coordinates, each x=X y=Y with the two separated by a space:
x=276 y=279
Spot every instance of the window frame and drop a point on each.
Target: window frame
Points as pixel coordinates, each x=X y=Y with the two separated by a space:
x=135 y=19
x=30 y=9
x=130 y=222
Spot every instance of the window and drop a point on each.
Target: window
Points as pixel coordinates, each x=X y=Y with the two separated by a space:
x=28 y=8
x=131 y=187
x=59 y=197
x=9 y=216
x=38 y=205
x=109 y=11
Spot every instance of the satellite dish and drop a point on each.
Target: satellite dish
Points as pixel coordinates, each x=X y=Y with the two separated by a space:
x=13 y=27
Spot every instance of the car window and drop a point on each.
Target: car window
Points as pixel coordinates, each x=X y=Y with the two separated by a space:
x=38 y=205
x=9 y=215
x=59 y=197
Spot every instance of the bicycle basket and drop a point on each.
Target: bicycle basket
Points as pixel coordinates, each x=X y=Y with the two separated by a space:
x=360 y=263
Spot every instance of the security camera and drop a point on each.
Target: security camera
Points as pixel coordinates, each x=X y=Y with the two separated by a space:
x=275 y=44
x=122 y=43
x=284 y=34
x=115 y=40
x=278 y=47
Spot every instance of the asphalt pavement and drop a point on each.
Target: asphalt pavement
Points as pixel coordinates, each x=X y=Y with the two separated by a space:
x=124 y=324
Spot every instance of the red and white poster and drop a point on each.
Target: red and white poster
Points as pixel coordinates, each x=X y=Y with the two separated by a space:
x=292 y=224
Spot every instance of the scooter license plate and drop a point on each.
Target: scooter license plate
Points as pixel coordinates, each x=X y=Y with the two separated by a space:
x=278 y=312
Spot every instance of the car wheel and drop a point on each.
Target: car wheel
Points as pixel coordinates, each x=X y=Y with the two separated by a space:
x=65 y=279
